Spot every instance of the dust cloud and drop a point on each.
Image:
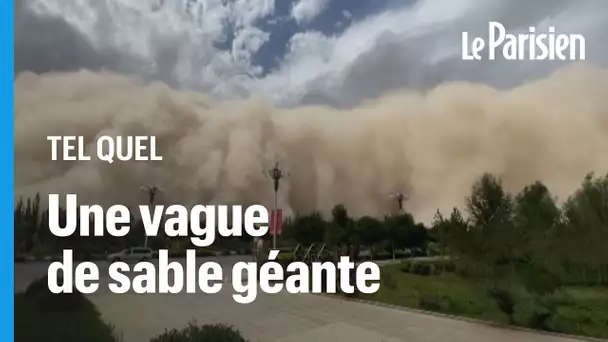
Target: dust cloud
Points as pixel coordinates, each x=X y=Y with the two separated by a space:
x=431 y=145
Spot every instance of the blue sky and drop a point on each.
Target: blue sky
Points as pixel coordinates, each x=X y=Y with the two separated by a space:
x=333 y=20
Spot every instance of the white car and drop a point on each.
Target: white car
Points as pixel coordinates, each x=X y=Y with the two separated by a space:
x=132 y=254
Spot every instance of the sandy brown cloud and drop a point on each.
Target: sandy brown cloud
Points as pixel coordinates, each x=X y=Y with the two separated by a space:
x=432 y=145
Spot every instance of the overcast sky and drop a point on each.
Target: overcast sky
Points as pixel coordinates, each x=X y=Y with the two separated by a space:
x=336 y=52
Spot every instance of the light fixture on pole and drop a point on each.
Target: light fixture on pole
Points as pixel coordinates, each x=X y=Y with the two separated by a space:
x=151 y=191
x=400 y=197
x=276 y=174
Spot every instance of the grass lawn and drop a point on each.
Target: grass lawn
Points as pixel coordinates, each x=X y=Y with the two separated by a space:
x=578 y=310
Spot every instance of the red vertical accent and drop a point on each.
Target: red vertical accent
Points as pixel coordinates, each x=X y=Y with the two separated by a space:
x=279 y=223
x=271 y=222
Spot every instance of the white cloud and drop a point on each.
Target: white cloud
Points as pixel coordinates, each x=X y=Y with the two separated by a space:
x=419 y=46
x=174 y=41
x=412 y=46
x=247 y=12
x=247 y=42
x=305 y=11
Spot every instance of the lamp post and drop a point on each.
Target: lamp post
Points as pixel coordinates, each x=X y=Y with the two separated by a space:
x=276 y=174
x=400 y=197
x=151 y=191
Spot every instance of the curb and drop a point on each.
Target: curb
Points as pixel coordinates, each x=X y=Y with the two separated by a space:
x=461 y=318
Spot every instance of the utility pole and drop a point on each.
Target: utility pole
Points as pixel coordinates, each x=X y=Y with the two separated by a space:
x=276 y=174
x=151 y=191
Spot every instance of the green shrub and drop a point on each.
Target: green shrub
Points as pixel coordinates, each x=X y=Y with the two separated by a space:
x=505 y=300
x=201 y=333
x=389 y=281
x=286 y=256
x=464 y=271
x=41 y=316
x=539 y=280
x=437 y=268
x=442 y=266
x=405 y=267
x=204 y=253
x=287 y=250
x=450 y=266
x=546 y=308
x=458 y=306
x=429 y=302
x=39 y=292
x=428 y=269
x=421 y=268
x=540 y=317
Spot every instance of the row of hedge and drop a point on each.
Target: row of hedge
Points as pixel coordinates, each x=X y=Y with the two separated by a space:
x=426 y=268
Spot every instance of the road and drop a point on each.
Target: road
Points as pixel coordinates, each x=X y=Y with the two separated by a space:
x=281 y=317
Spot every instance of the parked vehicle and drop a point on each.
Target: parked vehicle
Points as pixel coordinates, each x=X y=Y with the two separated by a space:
x=132 y=254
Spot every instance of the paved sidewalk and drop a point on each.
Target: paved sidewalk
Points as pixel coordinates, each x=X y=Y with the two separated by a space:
x=296 y=318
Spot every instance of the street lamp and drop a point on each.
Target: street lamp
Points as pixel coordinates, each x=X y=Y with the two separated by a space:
x=151 y=191
x=400 y=198
x=276 y=174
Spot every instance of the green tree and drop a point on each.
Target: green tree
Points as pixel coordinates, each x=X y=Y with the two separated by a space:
x=371 y=232
x=403 y=232
x=489 y=204
x=536 y=215
x=491 y=239
x=19 y=230
x=338 y=231
x=307 y=229
x=536 y=219
x=450 y=233
x=586 y=227
x=438 y=233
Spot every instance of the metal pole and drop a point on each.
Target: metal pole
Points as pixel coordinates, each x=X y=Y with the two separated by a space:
x=151 y=191
x=275 y=218
x=276 y=174
x=151 y=205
